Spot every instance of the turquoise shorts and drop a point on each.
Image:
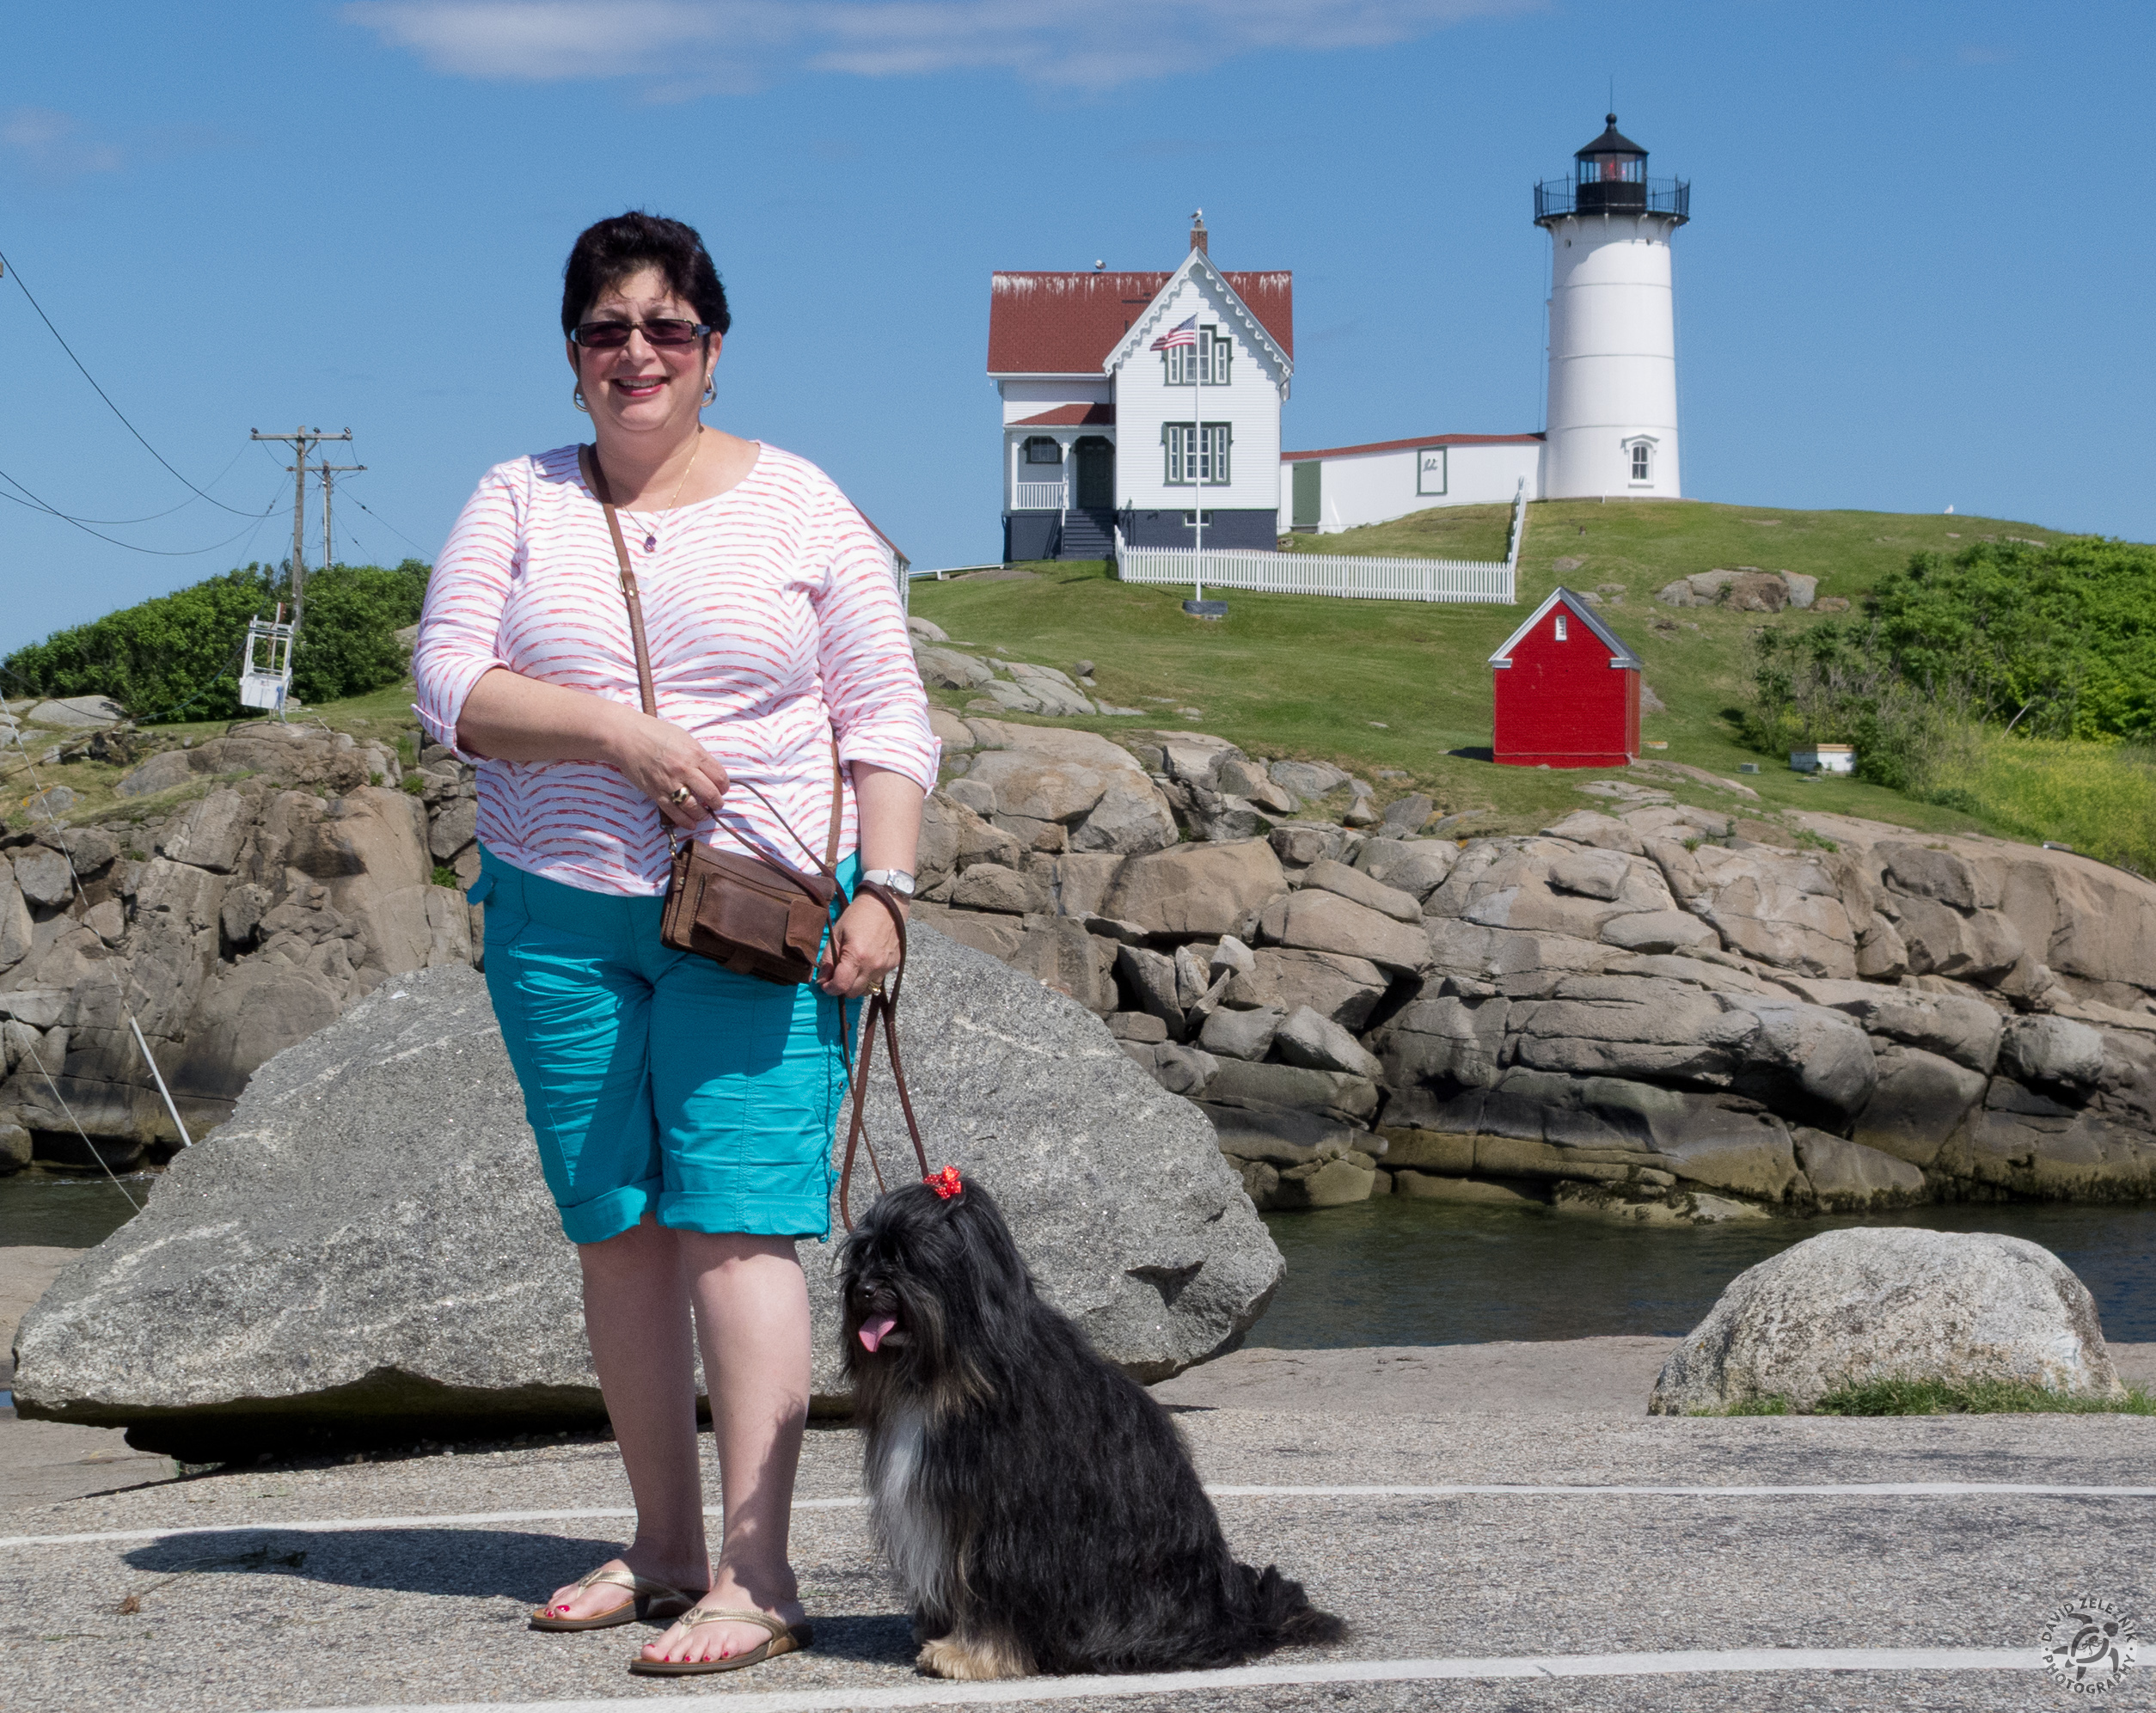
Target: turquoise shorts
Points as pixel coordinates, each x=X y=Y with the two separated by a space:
x=657 y=1081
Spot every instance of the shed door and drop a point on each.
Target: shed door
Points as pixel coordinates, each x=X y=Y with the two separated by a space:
x=1308 y=477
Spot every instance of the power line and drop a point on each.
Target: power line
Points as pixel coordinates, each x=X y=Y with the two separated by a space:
x=10 y=267
x=387 y=524
x=153 y=516
x=34 y=504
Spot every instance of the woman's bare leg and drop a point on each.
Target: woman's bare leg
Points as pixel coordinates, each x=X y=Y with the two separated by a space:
x=636 y=1314
x=752 y=1320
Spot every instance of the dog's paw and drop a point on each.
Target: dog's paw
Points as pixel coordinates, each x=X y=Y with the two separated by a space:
x=970 y=1662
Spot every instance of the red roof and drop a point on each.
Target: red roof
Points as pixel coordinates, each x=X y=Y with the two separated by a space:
x=1429 y=440
x=1067 y=323
x=1069 y=416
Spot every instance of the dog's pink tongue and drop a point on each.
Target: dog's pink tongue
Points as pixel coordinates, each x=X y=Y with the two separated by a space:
x=875 y=1328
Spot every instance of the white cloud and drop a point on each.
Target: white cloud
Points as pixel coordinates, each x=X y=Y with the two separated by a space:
x=683 y=45
x=56 y=145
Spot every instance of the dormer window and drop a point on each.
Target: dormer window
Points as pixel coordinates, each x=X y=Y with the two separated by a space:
x=1204 y=364
x=1560 y=627
x=1043 y=450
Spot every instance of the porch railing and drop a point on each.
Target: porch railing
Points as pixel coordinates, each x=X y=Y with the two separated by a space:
x=1037 y=497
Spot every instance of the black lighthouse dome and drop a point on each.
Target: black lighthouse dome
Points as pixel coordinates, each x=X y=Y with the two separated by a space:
x=1610 y=176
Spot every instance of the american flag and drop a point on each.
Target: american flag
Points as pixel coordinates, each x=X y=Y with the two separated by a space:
x=1184 y=333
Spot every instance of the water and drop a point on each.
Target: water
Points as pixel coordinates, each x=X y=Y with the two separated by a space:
x=66 y=1213
x=1396 y=1272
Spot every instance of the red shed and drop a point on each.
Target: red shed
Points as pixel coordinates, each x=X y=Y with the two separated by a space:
x=1567 y=691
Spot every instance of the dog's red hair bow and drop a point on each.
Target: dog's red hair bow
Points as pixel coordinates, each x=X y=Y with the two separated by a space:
x=946 y=1182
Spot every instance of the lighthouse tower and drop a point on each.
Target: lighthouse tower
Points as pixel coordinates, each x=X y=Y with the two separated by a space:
x=1613 y=413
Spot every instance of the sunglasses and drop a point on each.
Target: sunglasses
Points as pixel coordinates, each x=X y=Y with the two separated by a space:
x=613 y=335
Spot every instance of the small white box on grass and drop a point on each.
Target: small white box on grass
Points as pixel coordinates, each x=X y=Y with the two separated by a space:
x=1823 y=758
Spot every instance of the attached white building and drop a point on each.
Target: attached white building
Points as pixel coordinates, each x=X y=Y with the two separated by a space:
x=1103 y=433
x=1613 y=371
x=1346 y=486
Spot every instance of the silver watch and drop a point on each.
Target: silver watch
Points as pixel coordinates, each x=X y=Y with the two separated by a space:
x=895 y=879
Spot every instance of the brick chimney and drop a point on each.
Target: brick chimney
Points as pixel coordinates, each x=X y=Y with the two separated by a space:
x=1197 y=231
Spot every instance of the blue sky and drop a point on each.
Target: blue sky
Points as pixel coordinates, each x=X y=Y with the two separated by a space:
x=1906 y=285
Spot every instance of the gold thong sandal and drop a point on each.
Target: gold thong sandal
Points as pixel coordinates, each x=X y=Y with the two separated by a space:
x=785 y=1638
x=646 y=1599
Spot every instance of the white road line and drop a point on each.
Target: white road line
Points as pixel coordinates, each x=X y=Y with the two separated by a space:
x=936 y=1694
x=1870 y=1489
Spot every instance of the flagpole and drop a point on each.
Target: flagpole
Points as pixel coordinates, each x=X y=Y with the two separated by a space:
x=1197 y=442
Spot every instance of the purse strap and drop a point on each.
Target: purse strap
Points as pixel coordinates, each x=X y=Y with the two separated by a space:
x=633 y=598
x=883 y=1005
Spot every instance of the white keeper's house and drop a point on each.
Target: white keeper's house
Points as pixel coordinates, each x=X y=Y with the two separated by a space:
x=1103 y=433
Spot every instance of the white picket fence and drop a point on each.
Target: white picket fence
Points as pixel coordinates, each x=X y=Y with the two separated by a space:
x=1357 y=578
x=1274 y=574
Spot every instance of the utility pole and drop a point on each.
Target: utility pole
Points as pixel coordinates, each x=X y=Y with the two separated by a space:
x=303 y=440
x=329 y=473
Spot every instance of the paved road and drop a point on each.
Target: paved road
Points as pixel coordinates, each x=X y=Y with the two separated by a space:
x=403 y=1582
x=400 y=1582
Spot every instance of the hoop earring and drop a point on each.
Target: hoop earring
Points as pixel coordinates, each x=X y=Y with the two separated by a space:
x=577 y=399
x=711 y=388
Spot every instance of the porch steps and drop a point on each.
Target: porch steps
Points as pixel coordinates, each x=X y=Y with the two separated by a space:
x=1089 y=532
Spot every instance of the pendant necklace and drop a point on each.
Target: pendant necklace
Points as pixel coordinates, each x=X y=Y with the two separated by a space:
x=650 y=531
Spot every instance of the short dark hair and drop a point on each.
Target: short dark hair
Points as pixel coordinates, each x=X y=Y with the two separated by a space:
x=607 y=253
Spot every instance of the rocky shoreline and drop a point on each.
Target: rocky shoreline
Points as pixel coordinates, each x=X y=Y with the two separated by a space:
x=1665 y=1013
x=1648 y=1010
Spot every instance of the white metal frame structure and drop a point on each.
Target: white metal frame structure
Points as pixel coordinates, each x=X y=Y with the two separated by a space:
x=266 y=678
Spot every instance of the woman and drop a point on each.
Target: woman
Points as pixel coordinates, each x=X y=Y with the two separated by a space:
x=683 y=1113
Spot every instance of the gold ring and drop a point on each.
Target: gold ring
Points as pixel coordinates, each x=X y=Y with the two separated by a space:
x=679 y=797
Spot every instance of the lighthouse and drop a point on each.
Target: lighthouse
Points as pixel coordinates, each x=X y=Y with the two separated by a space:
x=1612 y=406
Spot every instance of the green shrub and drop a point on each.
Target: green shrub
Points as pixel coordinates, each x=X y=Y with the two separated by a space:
x=175 y=655
x=178 y=656
x=2059 y=642
x=1998 y=679
x=348 y=645
x=2054 y=641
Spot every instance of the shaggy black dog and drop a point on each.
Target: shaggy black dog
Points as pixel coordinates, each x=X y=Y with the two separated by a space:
x=1038 y=1508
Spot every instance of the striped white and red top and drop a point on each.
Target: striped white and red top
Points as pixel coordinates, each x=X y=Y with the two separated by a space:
x=772 y=620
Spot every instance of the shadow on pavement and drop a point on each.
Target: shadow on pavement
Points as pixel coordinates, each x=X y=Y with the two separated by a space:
x=478 y=1564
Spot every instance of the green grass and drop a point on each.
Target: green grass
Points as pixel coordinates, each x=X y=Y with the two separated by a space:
x=1775 y=1405
x=1406 y=685
x=2098 y=797
x=1987 y=1398
x=1939 y=1397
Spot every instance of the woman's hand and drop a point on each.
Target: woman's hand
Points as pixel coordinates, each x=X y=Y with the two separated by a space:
x=863 y=949
x=659 y=759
